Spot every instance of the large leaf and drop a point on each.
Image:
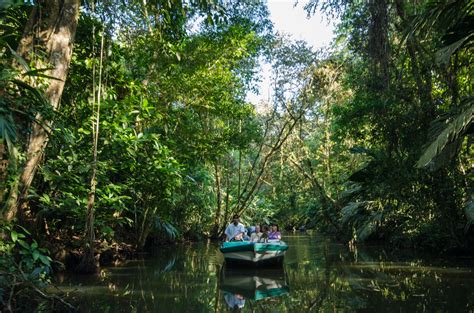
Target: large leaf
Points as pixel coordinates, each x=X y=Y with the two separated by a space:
x=351 y=191
x=469 y=209
x=7 y=129
x=166 y=228
x=453 y=131
x=369 y=227
x=5 y=4
x=444 y=54
x=350 y=211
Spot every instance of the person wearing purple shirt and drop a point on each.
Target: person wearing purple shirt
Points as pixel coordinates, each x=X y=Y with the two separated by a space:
x=274 y=233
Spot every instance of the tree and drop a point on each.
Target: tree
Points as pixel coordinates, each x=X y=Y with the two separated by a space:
x=57 y=22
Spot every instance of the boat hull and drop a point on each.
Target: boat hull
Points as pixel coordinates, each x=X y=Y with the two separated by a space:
x=250 y=253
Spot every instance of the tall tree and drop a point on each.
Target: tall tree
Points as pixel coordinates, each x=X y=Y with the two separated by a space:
x=47 y=43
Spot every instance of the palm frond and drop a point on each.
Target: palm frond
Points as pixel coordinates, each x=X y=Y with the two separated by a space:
x=7 y=129
x=5 y=4
x=448 y=139
x=367 y=229
x=454 y=18
x=166 y=228
x=351 y=211
x=469 y=209
x=352 y=191
x=444 y=54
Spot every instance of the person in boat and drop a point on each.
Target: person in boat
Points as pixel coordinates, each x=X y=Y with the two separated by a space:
x=234 y=301
x=264 y=236
x=250 y=230
x=255 y=237
x=246 y=234
x=274 y=233
x=235 y=231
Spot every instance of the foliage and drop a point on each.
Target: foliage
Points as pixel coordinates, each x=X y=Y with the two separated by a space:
x=393 y=95
x=450 y=138
x=171 y=103
x=22 y=264
x=341 y=146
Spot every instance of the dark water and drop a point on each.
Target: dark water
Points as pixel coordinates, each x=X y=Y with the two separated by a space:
x=318 y=276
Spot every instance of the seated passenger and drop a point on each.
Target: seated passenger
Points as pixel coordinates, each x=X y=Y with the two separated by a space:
x=274 y=233
x=234 y=301
x=250 y=230
x=235 y=231
x=255 y=237
x=264 y=236
x=246 y=237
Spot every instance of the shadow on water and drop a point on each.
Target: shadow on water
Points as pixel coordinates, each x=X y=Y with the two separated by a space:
x=318 y=276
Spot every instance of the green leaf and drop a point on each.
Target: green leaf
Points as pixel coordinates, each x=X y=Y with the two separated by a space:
x=46 y=260
x=350 y=211
x=14 y=235
x=444 y=54
x=469 y=209
x=39 y=73
x=5 y=4
x=451 y=132
x=36 y=254
x=24 y=244
x=20 y=59
x=367 y=229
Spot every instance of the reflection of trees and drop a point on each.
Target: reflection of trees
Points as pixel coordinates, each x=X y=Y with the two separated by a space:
x=376 y=280
x=327 y=277
x=176 y=279
x=405 y=281
x=322 y=276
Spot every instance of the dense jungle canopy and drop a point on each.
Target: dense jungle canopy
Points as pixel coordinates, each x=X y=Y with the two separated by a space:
x=126 y=124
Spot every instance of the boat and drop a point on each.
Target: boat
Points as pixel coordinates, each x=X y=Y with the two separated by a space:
x=254 y=253
x=239 y=285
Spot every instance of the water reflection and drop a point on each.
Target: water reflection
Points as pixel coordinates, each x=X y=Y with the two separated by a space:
x=324 y=277
x=240 y=284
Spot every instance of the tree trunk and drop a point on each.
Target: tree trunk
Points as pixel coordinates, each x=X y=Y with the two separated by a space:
x=51 y=26
x=88 y=263
x=217 y=217
x=379 y=45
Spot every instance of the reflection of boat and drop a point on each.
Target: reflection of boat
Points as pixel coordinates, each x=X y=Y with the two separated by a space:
x=246 y=252
x=243 y=284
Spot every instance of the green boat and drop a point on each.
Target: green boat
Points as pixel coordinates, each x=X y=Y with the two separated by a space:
x=239 y=285
x=254 y=253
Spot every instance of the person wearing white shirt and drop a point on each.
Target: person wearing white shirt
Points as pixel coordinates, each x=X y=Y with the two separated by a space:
x=234 y=301
x=255 y=237
x=235 y=231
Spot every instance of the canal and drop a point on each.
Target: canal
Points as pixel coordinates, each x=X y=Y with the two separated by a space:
x=319 y=275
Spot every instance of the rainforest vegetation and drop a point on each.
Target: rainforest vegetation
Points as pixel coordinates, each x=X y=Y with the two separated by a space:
x=125 y=124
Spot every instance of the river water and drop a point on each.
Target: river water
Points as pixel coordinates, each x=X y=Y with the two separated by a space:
x=319 y=275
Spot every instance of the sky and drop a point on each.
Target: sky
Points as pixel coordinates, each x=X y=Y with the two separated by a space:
x=316 y=31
